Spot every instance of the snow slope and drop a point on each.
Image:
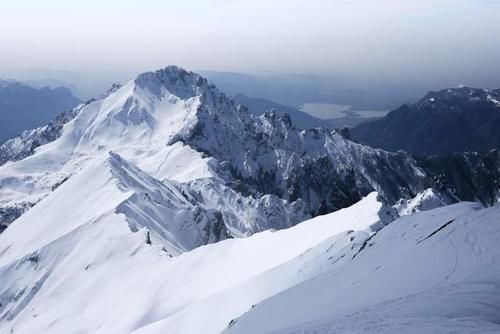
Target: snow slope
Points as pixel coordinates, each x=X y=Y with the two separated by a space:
x=258 y=172
x=344 y=272
x=140 y=121
x=90 y=273
x=124 y=210
x=434 y=271
x=109 y=185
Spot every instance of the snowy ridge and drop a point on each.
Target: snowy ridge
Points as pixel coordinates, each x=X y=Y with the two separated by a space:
x=442 y=278
x=168 y=216
x=239 y=284
x=110 y=185
x=44 y=282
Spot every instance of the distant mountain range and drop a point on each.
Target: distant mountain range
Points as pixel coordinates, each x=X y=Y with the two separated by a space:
x=451 y=120
x=297 y=89
x=24 y=107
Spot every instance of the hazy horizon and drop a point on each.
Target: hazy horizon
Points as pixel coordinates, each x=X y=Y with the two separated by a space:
x=421 y=40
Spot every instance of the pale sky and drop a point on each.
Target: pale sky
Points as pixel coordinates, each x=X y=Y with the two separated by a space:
x=415 y=39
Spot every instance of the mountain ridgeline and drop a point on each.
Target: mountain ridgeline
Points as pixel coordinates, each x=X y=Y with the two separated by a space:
x=452 y=120
x=239 y=173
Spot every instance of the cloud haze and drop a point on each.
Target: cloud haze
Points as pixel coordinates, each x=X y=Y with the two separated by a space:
x=416 y=40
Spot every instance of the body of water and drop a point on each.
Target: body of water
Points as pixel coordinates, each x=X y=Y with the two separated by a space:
x=325 y=110
x=333 y=110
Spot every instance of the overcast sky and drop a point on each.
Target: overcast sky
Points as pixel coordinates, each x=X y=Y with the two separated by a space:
x=454 y=40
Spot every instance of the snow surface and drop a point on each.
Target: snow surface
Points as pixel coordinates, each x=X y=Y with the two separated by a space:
x=434 y=271
x=90 y=273
x=346 y=272
x=103 y=186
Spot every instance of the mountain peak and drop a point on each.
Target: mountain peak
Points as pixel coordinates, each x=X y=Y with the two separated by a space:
x=178 y=81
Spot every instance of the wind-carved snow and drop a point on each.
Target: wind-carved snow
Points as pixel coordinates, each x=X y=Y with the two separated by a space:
x=48 y=266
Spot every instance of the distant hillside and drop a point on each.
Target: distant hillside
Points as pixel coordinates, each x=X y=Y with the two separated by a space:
x=301 y=119
x=297 y=89
x=451 y=120
x=23 y=107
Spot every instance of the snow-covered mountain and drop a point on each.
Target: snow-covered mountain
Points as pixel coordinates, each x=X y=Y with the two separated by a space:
x=127 y=215
x=142 y=122
x=256 y=172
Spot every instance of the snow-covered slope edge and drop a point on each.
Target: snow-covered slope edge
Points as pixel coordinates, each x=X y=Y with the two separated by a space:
x=87 y=272
x=431 y=272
